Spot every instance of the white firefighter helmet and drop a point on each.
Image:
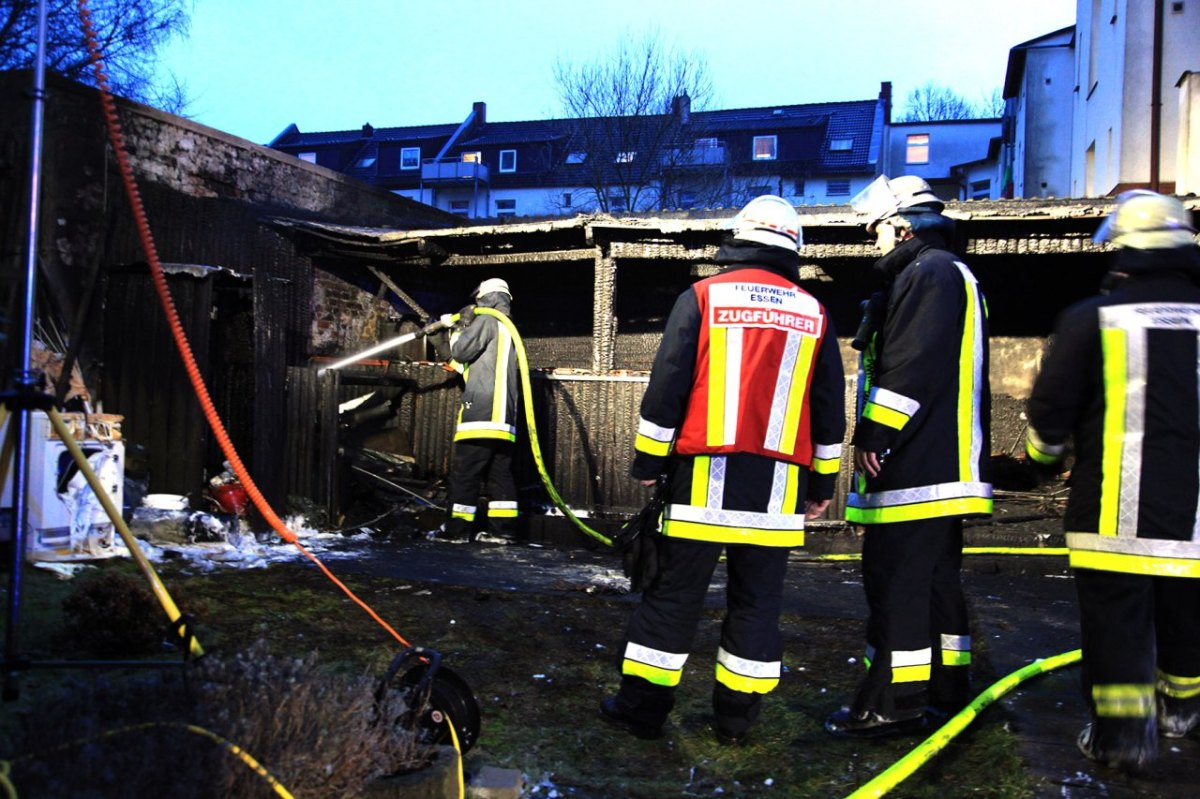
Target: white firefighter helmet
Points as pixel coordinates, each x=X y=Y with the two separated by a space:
x=769 y=220
x=886 y=197
x=491 y=285
x=1146 y=220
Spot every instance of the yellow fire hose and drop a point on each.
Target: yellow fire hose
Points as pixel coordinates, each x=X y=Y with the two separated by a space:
x=905 y=766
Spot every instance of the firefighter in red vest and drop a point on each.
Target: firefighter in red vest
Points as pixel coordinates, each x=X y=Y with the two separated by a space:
x=744 y=414
x=1120 y=378
x=921 y=456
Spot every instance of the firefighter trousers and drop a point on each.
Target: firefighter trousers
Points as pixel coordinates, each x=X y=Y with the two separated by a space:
x=472 y=462
x=662 y=629
x=918 y=630
x=1141 y=653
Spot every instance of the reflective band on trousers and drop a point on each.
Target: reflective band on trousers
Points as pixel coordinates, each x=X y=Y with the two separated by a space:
x=747 y=676
x=1178 y=687
x=502 y=510
x=1124 y=700
x=956 y=650
x=1128 y=554
x=653 y=665
x=911 y=665
x=462 y=512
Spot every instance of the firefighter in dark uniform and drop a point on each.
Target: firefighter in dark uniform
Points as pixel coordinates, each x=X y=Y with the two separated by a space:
x=921 y=455
x=1121 y=377
x=482 y=349
x=744 y=412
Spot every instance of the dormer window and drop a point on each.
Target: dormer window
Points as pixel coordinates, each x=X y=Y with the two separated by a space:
x=765 y=148
x=309 y=157
x=364 y=163
x=508 y=160
x=410 y=157
x=626 y=156
x=841 y=145
x=577 y=157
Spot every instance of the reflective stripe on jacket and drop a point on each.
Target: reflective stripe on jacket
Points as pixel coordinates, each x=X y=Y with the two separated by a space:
x=923 y=398
x=1122 y=377
x=489 y=401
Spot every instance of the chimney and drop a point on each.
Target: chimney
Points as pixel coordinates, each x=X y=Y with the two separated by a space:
x=368 y=131
x=885 y=96
x=480 y=112
x=681 y=107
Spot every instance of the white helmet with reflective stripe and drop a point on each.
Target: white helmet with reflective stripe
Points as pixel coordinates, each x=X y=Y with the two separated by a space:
x=492 y=284
x=1146 y=220
x=886 y=197
x=769 y=220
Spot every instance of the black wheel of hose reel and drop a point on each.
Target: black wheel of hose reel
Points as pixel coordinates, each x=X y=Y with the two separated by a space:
x=436 y=698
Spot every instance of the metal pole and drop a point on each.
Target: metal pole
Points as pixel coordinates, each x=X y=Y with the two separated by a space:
x=25 y=378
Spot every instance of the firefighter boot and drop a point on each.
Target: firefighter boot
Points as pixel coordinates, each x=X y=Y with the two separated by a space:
x=1130 y=745
x=1177 y=716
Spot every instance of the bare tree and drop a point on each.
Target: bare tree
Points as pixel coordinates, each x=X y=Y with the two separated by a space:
x=933 y=103
x=992 y=105
x=130 y=33
x=632 y=139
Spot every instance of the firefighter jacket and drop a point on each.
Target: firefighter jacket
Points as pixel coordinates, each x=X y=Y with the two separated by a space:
x=1121 y=377
x=489 y=401
x=747 y=392
x=923 y=401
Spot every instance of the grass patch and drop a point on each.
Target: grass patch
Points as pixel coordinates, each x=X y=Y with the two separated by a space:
x=539 y=664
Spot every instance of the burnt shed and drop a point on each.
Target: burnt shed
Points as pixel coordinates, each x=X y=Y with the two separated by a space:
x=244 y=293
x=591 y=295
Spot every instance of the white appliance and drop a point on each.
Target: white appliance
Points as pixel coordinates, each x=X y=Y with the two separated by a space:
x=66 y=520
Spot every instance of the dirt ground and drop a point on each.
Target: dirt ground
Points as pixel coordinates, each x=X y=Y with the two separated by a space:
x=536 y=632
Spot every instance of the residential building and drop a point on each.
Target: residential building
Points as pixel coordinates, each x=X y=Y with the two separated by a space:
x=953 y=156
x=816 y=153
x=1039 y=88
x=1129 y=56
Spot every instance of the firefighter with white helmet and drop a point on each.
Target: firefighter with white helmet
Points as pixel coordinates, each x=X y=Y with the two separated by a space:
x=744 y=414
x=481 y=348
x=921 y=449
x=1120 y=380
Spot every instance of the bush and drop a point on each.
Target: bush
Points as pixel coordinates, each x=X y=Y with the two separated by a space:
x=113 y=615
x=317 y=733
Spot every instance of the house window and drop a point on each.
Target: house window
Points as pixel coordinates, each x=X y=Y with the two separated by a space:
x=506 y=207
x=577 y=157
x=687 y=199
x=566 y=201
x=707 y=143
x=799 y=188
x=410 y=157
x=626 y=156
x=981 y=190
x=616 y=202
x=309 y=157
x=918 y=149
x=837 y=188
x=472 y=158
x=764 y=148
x=508 y=160
x=460 y=207
x=841 y=145
x=364 y=163
x=758 y=191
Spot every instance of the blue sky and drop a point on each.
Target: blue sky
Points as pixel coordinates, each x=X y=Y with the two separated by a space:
x=253 y=67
